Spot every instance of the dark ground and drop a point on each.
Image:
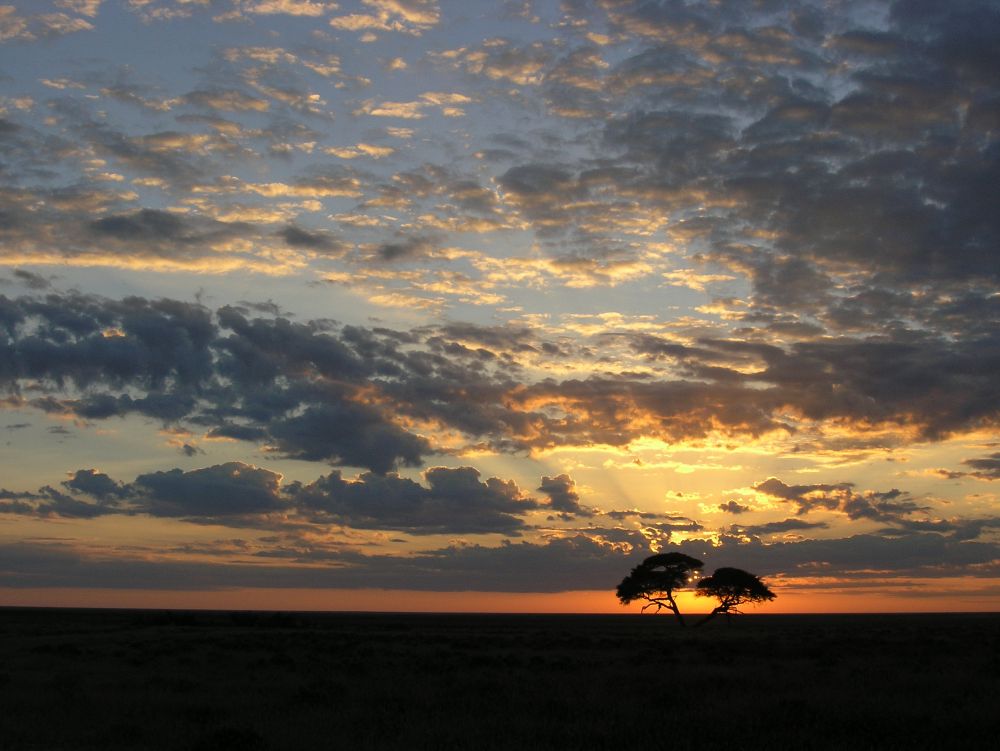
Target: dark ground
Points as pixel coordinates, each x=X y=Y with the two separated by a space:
x=226 y=681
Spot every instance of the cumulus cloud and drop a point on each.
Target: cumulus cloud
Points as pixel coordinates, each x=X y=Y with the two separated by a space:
x=95 y=484
x=348 y=433
x=230 y=489
x=455 y=502
x=562 y=495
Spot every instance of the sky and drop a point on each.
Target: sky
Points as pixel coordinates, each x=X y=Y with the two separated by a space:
x=421 y=305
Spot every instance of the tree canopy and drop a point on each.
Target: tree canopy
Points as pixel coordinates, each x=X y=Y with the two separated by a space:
x=655 y=579
x=732 y=587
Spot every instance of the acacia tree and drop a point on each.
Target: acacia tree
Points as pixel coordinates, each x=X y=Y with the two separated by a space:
x=655 y=579
x=732 y=587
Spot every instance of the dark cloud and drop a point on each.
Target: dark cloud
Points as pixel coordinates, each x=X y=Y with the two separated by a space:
x=407 y=248
x=31 y=280
x=887 y=506
x=347 y=433
x=956 y=529
x=188 y=450
x=497 y=339
x=734 y=507
x=50 y=502
x=986 y=467
x=154 y=232
x=159 y=155
x=296 y=237
x=95 y=484
x=85 y=341
x=261 y=350
x=864 y=154
x=324 y=392
x=562 y=495
x=455 y=502
x=807 y=497
x=60 y=504
x=12 y=505
x=786 y=525
x=220 y=491
x=238 y=432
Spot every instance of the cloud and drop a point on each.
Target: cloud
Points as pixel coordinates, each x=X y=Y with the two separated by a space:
x=455 y=502
x=406 y=248
x=562 y=495
x=401 y=110
x=335 y=183
x=307 y=386
x=348 y=433
x=231 y=100
x=786 y=525
x=407 y=16
x=308 y=8
x=322 y=242
x=83 y=7
x=571 y=563
x=888 y=506
x=733 y=507
x=807 y=497
x=50 y=502
x=223 y=490
x=154 y=232
x=95 y=484
x=89 y=340
x=31 y=280
x=26 y=28
x=986 y=467
x=500 y=60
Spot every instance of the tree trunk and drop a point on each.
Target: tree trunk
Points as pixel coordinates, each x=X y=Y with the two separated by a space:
x=677 y=611
x=710 y=616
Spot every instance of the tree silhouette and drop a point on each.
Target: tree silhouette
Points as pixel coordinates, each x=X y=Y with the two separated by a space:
x=732 y=587
x=655 y=580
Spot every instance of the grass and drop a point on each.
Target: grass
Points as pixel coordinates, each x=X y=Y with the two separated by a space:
x=220 y=681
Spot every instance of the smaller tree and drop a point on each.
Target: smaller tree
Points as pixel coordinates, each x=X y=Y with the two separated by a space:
x=655 y=579
x=732 y=587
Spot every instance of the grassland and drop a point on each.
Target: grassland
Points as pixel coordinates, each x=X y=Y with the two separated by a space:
x=228 y=681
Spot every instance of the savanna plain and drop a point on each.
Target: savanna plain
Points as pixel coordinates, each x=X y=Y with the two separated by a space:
x=88 y=679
